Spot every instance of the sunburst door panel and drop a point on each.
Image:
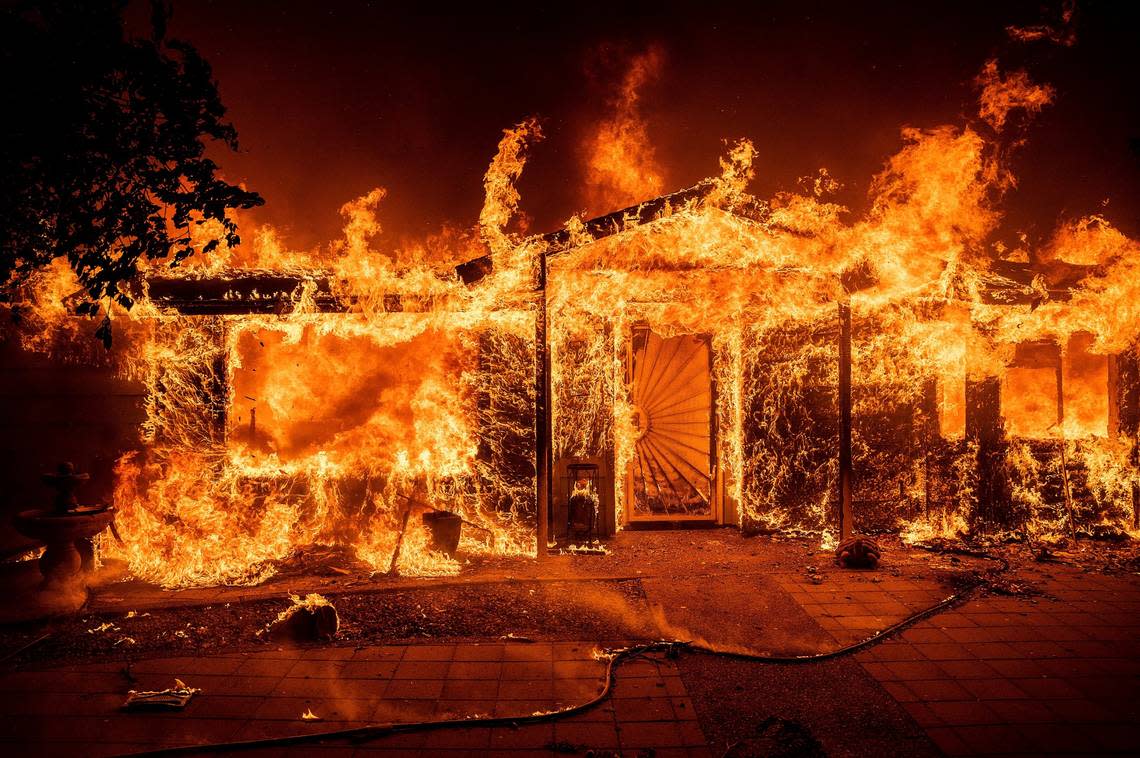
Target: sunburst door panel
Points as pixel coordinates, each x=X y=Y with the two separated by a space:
x=672 y=471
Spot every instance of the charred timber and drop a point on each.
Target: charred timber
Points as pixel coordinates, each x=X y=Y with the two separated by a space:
x=1006 y=282
x=543 y=451
x=264 y=293
x=240 y=293
x=269 y=292
x=1018 y=283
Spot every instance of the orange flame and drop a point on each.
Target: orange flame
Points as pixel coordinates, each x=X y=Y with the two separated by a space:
x=1001 y=95
x=621 y=164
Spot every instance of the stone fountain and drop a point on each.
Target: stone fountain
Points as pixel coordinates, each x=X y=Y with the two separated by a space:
x=66 y=528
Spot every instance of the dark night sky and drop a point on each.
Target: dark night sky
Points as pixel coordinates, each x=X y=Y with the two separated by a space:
x=332 y=101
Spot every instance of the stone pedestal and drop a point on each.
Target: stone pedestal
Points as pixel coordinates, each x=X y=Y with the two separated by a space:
x=62 y=565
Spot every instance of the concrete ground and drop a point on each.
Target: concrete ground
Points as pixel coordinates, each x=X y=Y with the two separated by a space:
x=1043 y=660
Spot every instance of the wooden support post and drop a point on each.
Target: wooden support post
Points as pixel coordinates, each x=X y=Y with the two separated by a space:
x=218 y=384
x=1061 y=433
x=1115 y=396
x=984 y=427
x=846 y=527
x=1124 y=411
x=929 y=436
x=542 y=413
x=609 y=501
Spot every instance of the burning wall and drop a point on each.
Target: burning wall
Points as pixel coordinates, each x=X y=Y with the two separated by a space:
x=274 y=434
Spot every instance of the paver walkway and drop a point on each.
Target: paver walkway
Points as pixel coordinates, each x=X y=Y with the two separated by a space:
x=76 y=711
x=1058 y=674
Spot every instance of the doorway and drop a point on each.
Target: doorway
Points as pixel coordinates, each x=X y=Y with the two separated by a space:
x=672 y=475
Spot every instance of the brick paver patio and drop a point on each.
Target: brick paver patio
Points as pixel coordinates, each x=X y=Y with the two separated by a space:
x=1057 y=674
x=249 y=696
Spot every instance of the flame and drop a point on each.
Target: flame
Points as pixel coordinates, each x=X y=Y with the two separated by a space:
x=1001 y=95
x=383 y=387
x=621 y=164
x=1061 y=33
x=502 y=198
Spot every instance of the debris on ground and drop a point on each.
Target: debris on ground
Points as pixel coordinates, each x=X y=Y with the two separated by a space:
x=778 y=738
x=813 y=574
x=605 y=609
x=609 y=606
x=310 y=619
x=512 y=637
x=104 y=627
x=320 y=560
x=588 y=548
x=1001 y=585
x=1121 y=564
x=174 y=698
x=1105 y=532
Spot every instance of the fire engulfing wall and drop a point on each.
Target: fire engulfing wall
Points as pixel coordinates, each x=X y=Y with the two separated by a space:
x=267 y=435
x=920 y=448
x=332 y=398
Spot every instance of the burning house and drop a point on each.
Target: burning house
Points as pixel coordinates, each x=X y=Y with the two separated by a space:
x=676 y=363
x=702 y=358
x=654 y=445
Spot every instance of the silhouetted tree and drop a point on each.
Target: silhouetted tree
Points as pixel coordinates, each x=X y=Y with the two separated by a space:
x=103 y=149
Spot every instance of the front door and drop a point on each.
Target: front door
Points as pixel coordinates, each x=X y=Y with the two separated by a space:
x=672 y=469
